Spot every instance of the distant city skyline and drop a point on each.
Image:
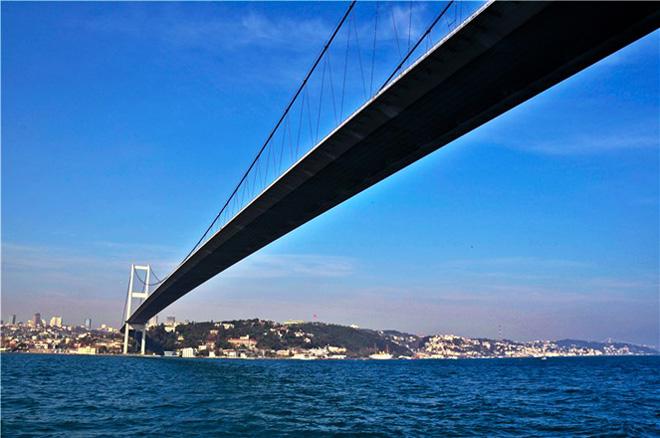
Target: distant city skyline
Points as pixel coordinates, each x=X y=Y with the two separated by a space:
x=43 y=317
x=171 y=323
x=297 y=340
x=125 y=125
x=60 y=321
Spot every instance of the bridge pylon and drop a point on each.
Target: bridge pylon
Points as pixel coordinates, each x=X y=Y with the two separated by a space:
x=141 y=293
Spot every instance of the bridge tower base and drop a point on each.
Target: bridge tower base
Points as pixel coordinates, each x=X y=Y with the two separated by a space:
x=142 y=293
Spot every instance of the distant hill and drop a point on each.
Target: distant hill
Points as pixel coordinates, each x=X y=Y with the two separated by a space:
x=635 y=349
x=262 y=338
x=274 y=336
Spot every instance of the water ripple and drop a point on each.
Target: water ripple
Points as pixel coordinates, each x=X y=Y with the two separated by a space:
x=71 y=396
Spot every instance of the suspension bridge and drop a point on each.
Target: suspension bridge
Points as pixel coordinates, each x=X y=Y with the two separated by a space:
x=393 y=83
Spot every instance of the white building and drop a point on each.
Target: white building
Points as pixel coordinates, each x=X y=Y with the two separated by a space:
x=188 y=352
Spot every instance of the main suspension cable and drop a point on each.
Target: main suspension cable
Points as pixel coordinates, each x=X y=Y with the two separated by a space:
x=158 y=280
x=277 y=125
x=419 y=41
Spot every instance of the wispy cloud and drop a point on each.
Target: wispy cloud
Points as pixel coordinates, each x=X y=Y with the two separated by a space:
x=42 y=278
x=517 y=261
x=211 y=43
x=46 y=271
x=643 y=282
x=221 y=29
x=53 y=258
x=589 y=130
x=586 y=145
x=292 y=266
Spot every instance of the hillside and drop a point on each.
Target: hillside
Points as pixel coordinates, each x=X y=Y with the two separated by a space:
x=273 y=336
x=634 y=349
x=262 y=338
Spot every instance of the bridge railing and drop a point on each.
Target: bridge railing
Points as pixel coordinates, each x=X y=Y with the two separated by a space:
x=372 y=45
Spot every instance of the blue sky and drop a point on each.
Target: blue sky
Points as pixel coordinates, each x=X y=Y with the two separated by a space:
x=126 y=125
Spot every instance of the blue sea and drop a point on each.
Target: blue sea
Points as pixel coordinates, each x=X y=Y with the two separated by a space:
x=88 y=396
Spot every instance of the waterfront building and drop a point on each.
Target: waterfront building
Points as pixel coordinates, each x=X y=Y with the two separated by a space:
x=243 y=341
x=188 y=352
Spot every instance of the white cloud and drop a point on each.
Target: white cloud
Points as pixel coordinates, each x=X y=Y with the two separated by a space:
x=585 y=145
x=224 y=29
x=291 y=266
x=518 y=261
x=43 y=278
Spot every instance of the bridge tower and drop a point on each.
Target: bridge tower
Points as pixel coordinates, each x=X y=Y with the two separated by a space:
x=141 y=293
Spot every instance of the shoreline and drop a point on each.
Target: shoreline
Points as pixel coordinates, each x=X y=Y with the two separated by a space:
x=347 y=359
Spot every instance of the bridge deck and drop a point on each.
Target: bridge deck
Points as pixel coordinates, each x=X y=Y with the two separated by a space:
x=501 y=57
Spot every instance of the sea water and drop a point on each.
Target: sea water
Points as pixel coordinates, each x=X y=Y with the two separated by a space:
x=67 y=396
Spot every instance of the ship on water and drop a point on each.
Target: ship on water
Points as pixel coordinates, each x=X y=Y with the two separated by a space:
x=381 y=355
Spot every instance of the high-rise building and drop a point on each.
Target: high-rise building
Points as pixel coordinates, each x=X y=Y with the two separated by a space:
x=153 y=322
x=13 y=319
x=88 y=323
x=56 y=321
x=37 y=319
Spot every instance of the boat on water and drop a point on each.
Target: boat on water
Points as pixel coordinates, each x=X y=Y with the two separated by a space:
x=381 y=355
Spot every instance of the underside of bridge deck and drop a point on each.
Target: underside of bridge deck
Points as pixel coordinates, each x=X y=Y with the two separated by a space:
x=503 y=56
